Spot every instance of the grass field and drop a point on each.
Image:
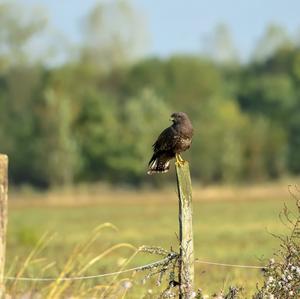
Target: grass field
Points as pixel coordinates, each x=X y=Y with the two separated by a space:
x=230 y=226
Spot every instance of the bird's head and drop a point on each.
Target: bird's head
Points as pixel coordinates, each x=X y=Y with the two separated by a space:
x=178 y=117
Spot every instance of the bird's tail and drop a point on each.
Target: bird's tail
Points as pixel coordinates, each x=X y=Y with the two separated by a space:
x=158 y=164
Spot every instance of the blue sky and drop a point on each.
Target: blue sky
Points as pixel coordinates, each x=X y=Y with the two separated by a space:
x=180 y=26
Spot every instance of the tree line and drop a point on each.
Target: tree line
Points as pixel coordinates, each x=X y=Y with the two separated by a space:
x=95 y=115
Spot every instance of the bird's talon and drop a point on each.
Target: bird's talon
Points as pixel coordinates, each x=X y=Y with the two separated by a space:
x=179 y=160
x=181 y=163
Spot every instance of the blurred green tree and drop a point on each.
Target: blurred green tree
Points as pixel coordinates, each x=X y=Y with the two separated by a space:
x=95 y=118
x=268 y=94
x=58 y=155
x=96 y=130
x=141 y=121
x=264 y=149
x=217 y=152
x=19 y=121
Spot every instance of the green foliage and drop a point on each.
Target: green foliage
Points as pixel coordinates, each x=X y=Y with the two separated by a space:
x=269 y=94
x=96 y=117
x=294 y=141
x=218 y=146
x=96 y=129
x=143 y=117
x=18 y=126
x=265 y=149
x=56 y=144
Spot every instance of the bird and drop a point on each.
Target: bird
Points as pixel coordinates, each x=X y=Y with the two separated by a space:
x=170 y=143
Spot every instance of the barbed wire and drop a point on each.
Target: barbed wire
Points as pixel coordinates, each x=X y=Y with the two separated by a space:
x=139 y=268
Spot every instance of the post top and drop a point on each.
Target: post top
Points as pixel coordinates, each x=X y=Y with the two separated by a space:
x=3 y=157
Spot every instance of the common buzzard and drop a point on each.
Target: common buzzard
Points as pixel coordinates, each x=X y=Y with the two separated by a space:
x=170 y=143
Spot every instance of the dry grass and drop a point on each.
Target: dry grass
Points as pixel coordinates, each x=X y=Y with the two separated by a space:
x=87 y=195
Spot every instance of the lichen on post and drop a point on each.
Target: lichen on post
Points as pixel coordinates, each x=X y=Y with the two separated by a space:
x=3 y=217
x=186 y=266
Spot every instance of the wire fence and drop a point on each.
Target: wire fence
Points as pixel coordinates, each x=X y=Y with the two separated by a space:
x=139 y=268
x=228 y=265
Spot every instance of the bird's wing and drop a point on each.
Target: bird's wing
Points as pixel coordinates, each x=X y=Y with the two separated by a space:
x=166 y=140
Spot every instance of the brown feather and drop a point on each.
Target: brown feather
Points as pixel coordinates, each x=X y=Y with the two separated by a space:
x=173 y=140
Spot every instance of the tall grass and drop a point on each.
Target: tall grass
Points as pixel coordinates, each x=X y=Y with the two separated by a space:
x=77 y=265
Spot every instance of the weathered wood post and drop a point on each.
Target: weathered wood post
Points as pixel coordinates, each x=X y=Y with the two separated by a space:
x=186 y=266
x=3 y=217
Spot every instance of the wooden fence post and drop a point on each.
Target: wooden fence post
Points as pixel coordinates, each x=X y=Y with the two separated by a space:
x=3 y=217
x=186 y=266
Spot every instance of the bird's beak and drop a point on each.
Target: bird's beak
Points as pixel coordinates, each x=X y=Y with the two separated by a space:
x=171 y=118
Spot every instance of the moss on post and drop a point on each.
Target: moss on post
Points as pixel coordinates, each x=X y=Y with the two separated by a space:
x=3 y=217
x=186 y=271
